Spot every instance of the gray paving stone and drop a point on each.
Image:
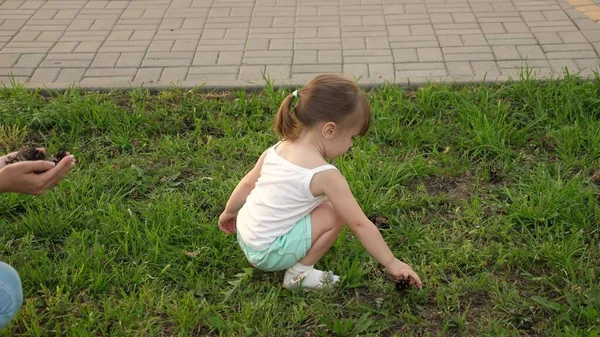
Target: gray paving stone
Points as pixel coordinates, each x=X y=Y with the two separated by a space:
x=420 y=66
x=569 y=28
x=102 y=43
x=130 y=59
x=593 y=35
x=466 y=50
x=356 y=70
x=510 y=36
x=106 y=60
x=64 y=47
x=394 y=9
x=596 y=46
x=506 y=53
x=459 y=69
x=321 y=68
x=407 y=19
x=279 y=72
x=567 y=47
x=88 y=47
x=102 y=72
x=532 y=52
x=452 y=41
x=230 y=58
x=464 y=17
x=106 y=82
x=205 y=58
x=430 y=54
x=29 y=61
x=474 y=40
x=421 y=73
x=45 y=75
x=49 y=36
x=8 y=60
x=405 y=55
x=175 y=46
x=514 y=42
x=378 y=43
x=492 y=27
x=523 y=64
x=367 y=56
x=549 y=37
x=588 y=65
x=437 y=18
x=399 y=30
x=421 y=30
x=469 y=57
x=27 y=36
x=571 y=54
x=485 y=68
x=479 y=7
x=70 y=75
x=16 y=72
x=561 y=64
x=354 y=43
x=384 y=71
x=251 y=72
x=415 y=8
x=268 y=60
x=518 y=27
x=533 y=16
x=556 y=15
x=572 y=37
x=306 y=57
x=330 y=56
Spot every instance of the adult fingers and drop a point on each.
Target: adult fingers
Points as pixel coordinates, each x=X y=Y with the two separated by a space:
x=32 y=166
x=61 y=170
x=3 y=158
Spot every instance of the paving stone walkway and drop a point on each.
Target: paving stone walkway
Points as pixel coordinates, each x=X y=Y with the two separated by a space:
x=233 y=43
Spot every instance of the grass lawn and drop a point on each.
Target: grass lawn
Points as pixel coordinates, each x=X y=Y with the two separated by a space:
x=488 y=191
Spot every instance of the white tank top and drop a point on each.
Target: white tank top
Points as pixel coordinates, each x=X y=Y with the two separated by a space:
x=280 y=198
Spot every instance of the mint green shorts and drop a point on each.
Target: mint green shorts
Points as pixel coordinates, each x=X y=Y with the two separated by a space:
x=285 y=251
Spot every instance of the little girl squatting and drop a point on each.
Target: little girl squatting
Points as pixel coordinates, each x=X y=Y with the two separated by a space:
x=290 y=208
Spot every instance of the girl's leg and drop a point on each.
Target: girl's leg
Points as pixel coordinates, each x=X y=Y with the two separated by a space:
x=326 y=225
x=11 y=294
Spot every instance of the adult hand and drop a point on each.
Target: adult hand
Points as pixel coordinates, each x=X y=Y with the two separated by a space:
x=20 y=177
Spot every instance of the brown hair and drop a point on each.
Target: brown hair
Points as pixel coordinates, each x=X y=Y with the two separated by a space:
x=327 y=98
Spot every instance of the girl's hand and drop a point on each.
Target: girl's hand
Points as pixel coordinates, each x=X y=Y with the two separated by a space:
x=400 y=270
x=20 y=177
x=227 y=222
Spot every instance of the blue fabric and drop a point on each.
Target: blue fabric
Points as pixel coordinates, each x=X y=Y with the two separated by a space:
x=11 y=294
x=285 y=252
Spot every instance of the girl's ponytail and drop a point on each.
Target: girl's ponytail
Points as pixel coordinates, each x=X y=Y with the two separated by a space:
x=286 y=124
x=327 y=98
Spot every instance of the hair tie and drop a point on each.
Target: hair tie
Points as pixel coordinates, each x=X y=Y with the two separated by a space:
x=295 y=93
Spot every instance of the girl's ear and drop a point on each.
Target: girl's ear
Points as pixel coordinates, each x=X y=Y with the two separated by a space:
x=329 y=130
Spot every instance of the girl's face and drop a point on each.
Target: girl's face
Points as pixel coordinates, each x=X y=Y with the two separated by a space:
x=340 y=141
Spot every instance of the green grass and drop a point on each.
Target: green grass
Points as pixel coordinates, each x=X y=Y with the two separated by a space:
x=487 y=189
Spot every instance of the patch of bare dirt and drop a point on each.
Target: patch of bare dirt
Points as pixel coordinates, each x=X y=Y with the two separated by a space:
x=456 y=187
